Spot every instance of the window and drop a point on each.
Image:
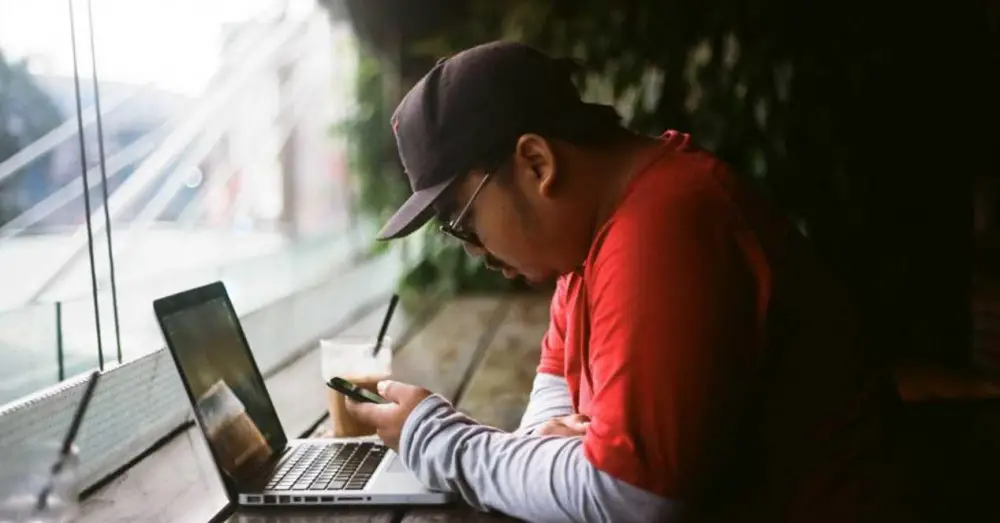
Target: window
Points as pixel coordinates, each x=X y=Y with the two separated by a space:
x=42 y=209
x=147 y=147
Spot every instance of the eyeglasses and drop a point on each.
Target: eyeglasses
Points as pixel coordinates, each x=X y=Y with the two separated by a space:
x=455 y=227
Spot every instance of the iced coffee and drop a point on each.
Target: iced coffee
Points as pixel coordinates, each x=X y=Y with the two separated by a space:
x=354 y=360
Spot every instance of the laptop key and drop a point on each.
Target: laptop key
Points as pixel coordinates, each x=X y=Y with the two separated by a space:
x=319 y=484
x=337 y=484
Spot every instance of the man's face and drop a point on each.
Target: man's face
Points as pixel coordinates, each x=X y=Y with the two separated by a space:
x=517 y=217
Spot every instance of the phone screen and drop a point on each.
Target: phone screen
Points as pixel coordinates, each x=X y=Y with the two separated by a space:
x=355 y=392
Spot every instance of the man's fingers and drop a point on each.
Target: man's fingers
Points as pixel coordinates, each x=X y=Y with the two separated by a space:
x=368 y=413
x=559 y=429
x=572 y=425
x=549 y=428
x=577 y=422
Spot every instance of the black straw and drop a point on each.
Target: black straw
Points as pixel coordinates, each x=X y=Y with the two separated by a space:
x=385 y=324
x=67 y=445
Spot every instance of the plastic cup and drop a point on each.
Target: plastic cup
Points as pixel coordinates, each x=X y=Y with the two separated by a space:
x=353 y=360
x=26 y=472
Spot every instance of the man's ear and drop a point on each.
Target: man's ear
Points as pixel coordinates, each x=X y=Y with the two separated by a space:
x=535 y=158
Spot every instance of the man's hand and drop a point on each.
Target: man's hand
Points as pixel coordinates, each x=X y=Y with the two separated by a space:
x=568 y=426
x=388 y=418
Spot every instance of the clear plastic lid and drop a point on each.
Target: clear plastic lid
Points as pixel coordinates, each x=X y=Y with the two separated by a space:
x=353 y=358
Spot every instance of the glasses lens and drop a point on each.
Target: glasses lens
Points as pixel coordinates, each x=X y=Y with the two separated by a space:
x=467 y=237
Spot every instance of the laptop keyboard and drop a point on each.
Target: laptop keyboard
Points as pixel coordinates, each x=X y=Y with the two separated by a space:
x=334 y=466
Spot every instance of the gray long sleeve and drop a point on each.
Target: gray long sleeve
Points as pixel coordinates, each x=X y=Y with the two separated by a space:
x=535 y=478
x=549 y=399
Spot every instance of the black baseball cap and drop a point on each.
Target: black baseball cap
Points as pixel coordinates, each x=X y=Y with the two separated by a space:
x=472 y=104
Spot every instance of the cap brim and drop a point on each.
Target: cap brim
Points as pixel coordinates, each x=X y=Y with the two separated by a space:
x=414 y=213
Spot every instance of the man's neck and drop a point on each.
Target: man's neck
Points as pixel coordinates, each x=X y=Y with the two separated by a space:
x=617 y=167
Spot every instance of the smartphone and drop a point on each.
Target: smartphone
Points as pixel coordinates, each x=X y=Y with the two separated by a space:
x=354 y=392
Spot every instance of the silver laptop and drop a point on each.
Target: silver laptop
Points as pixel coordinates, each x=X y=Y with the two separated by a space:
x=259 y=465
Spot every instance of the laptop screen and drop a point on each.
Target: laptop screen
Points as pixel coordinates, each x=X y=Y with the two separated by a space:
x=231 y=401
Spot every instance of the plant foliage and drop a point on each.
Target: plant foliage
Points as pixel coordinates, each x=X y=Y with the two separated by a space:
x=845 y=113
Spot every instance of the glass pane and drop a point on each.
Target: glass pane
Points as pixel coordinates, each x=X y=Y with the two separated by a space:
x=42 y=225
x=219 y=158
x=28 y=350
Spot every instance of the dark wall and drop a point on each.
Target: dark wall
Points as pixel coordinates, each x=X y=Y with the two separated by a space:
x=873 y=145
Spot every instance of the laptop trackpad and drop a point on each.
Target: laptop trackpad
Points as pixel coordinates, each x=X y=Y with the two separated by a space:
x=396 y=465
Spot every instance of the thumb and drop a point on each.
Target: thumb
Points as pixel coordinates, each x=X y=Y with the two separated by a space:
x=397 y=392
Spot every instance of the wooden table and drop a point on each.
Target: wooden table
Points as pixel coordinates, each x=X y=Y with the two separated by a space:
x=480 y=352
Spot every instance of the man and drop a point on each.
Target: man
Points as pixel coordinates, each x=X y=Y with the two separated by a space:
x=699 y=361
